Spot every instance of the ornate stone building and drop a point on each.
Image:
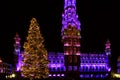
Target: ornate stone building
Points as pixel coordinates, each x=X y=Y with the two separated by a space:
x=72 y=62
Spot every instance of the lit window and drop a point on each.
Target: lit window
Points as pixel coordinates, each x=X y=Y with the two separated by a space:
x=69 y=68
x=75 y=68
x=62 y=74
x=58 y=74
x=50 y=75
x=54 y=74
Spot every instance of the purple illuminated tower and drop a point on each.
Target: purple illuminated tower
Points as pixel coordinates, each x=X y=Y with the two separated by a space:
x=71 y=38
x=107 y=48
x=108 y=52
x=17 y=53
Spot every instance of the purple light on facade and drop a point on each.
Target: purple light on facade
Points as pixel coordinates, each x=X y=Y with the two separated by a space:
x=19 y=64
x=62 y=75
x=56 y=65
x=87 y=76
x=109 y=69
x=81 y=75
x=106 y=75
x=58 y=74
x=89 y=65
x=50 y=75
x=54 y=75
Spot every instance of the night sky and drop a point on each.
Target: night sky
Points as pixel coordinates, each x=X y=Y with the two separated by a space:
x=99 y=21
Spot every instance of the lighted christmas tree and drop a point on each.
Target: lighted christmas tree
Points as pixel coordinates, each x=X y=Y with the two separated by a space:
x=35 y=60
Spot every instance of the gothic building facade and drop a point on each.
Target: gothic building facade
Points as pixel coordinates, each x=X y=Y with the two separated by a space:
x=72 y=62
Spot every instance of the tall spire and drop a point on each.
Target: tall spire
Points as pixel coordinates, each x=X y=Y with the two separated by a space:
x=69 y=17
x=17 y=53
x=71 y=37
x=70 y=3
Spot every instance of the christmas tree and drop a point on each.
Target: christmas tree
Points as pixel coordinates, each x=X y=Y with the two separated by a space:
x=35 y=60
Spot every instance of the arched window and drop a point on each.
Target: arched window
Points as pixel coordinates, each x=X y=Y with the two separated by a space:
x=81 y=61
x=86 y=68
x=62 y=61
x=53 y=61
x=57 y=61
x=103 y=69
x=90 y=61
x=81 y=68
x=62 y=68
x=58 y=69
x=53 y=69
x=75 y=59
x=96 y=68
x=70 y=59
x=74 y=50
x=92 y=68
x=69 y=68
x=102 y=61
x=100 y=69
x=96 y=61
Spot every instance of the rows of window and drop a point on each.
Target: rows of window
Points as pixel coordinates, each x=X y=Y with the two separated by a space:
x=93 y=61
x=81 y=69
x=54 y=56
x=82 y=62
x=56 y=75
x=72 y=68
x=93 y=75
x=57 y=69
x=93 y=69
x=93 y=58
x=81 y=57
x=56 y=61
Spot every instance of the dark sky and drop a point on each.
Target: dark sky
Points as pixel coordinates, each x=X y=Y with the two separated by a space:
x=99 y=21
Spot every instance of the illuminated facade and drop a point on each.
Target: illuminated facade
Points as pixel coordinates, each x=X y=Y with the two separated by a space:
x=71 y=62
